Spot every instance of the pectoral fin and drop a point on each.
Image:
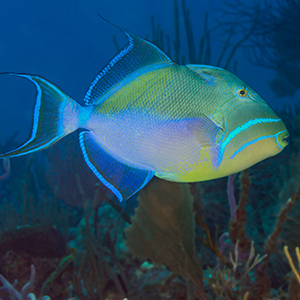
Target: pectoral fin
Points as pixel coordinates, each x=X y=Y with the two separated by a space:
x=122 y=180
x=204 y=131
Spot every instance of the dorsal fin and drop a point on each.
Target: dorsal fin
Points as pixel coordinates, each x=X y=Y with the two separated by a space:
x=136 y=54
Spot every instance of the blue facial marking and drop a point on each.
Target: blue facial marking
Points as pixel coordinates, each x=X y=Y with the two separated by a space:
x=256 y=140
x=240 y=129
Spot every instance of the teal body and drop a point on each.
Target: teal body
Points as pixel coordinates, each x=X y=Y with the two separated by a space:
x=147 y=116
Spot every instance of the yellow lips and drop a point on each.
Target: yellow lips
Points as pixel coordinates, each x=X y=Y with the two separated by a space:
x=283 y=139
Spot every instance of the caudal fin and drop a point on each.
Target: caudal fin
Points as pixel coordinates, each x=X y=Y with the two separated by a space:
x=55 y=116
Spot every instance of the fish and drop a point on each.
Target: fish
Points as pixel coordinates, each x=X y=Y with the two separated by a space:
x=145 y=115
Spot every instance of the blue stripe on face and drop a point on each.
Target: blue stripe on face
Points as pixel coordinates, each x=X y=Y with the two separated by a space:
x=256 y=140
x=240 y=129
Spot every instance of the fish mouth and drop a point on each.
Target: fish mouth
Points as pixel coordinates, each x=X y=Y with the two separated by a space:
x=283 y=139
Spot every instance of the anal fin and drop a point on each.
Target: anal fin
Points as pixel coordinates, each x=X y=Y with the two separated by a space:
x=122 y=180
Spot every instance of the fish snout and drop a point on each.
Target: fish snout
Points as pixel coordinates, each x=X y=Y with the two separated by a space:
x=283 y=139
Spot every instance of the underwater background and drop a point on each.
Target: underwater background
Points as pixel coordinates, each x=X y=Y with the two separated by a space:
x=171 y=241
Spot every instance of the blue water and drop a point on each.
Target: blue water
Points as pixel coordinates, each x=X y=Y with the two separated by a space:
x=67 y=43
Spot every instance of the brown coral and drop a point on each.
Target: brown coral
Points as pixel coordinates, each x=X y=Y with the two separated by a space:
x=163 y=230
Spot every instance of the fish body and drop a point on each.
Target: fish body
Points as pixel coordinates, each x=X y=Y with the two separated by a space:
x=147 y=116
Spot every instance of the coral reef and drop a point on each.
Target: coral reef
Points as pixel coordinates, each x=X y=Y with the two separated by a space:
x=14 y=294
x=164 y=225
x=41 y=246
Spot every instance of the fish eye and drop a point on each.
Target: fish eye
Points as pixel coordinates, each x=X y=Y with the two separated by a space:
x=242 y=92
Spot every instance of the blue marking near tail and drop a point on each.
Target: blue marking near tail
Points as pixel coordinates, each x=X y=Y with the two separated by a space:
x=122 y=179
x=36 y=108
x=35 y=118
x=48 y=126
x=93 y=168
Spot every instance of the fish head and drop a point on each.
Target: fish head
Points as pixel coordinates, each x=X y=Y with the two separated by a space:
x=250 y=131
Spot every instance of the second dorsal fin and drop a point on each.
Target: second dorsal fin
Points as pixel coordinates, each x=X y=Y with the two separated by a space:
x=136 y=54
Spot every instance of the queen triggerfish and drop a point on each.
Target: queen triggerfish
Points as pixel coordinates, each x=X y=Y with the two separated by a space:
x=145 y=116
